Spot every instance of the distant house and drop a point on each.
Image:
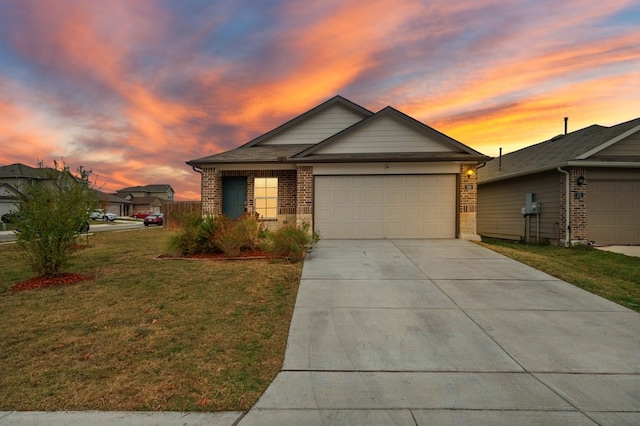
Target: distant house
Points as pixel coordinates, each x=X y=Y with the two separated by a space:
x=349 y=173
x=592 y=173
x=12 y=178
x=113 y=204
x=146 y=198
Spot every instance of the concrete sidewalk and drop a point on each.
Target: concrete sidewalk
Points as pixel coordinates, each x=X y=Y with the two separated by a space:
x=447 y=332
x=421 y=332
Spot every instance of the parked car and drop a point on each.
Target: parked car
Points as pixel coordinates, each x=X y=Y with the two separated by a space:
x=153 y=219
x=99 y=214
x=142 y=214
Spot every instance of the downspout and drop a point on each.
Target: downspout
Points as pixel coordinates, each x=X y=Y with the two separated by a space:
x=197 y=169
x=567 y=198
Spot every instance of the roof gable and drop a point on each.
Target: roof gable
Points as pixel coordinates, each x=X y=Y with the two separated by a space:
x=8 y=191
x=563 y=150
x=388 y=131
x=626 y=143
x=19 y=170
x=316 y=124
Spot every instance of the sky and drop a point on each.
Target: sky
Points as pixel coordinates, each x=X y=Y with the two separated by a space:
x=132 y=89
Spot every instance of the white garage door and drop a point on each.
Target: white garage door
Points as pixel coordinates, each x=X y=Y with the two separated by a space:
x=387 y=206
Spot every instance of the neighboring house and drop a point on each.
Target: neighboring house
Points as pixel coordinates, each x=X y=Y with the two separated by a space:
x=597 y=167
x=350 y=173
x=8 y=197
x=113 y=204
x=12 y=178
x=146 y=198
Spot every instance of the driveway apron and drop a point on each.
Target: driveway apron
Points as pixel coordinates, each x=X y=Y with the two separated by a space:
x=417 y=332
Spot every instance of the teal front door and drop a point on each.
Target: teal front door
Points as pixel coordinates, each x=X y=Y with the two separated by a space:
x=234 y=196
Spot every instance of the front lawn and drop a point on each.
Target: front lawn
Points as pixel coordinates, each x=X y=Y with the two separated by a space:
x=613 y=276
x=144 y=334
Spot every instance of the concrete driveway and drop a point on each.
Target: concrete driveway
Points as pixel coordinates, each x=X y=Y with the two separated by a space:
x=439 y=332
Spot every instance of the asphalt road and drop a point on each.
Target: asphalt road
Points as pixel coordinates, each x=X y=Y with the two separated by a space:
x=9 y=236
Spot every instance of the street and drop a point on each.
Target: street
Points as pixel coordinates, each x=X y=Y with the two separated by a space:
x=119 y=225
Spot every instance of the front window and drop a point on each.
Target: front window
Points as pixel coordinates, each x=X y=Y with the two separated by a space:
x=266 y=197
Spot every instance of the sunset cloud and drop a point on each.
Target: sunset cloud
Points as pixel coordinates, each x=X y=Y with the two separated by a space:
x=132 y=90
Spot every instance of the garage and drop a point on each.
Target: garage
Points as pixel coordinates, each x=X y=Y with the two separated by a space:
x=613 y=211
x=385 y=206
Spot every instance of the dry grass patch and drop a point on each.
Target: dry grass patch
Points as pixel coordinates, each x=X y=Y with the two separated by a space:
x=144 y=334
x=611 y=275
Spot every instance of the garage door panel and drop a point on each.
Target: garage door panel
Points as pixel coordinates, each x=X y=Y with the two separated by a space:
x=388 y=206
x=613 y=212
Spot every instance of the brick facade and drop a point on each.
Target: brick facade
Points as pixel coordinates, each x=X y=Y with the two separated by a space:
x=577 y=205
x=468 y=187
x=211 y=187
x=295 y=195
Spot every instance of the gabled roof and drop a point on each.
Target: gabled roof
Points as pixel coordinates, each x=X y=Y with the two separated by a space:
x=458 y=151
x=19 y=170
x=159 y=187
x=110 y=198
x=573 y=149
x=336 y=100
x=6 y=188
x=256 y=152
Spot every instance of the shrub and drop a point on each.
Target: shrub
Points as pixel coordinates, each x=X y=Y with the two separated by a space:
x=291 y=242
x=240 y=234
x=53 y=211
x=196 y=234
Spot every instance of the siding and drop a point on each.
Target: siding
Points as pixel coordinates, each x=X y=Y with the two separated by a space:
x=317 y=128
x=382 y=136
x=629 y=147
x=500 y=203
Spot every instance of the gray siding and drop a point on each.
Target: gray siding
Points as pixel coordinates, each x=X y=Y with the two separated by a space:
x=317 y=128
x=628 y=147
x=383 y=136
x=500 y=203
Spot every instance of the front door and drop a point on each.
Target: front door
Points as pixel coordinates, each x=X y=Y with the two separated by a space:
x=234 y=196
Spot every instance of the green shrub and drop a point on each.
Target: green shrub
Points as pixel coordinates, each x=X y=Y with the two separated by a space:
x=291 y=242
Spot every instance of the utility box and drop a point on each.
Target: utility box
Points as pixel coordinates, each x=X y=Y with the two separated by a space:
x=530 y=205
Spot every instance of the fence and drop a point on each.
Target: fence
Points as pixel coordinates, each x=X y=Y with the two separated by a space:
x=178 y=207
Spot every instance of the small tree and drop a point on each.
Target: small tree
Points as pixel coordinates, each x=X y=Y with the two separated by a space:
x=53 y=211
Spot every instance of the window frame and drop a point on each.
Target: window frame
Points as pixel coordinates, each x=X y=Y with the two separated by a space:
x=264 y=195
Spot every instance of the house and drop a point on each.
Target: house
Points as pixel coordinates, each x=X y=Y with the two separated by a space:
x=113 y=204
x=592 y=173
x=350 y=173
x=12 y=178
x=146 y=198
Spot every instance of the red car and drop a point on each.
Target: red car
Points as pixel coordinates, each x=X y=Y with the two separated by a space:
x=142 y=215
x=153 y=219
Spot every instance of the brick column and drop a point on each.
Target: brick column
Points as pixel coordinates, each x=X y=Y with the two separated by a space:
x=468 y=202
x=211 y=191
x=578 y=205
x=304 y=192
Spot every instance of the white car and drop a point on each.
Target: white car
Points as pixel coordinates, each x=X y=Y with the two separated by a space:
x=100 y=215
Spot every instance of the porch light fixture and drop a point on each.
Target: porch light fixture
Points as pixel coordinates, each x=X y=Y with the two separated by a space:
x=580 y=180
x=470 y=172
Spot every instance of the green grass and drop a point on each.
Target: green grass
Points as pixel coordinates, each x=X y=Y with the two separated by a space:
x=613 y=276
x=143 y=334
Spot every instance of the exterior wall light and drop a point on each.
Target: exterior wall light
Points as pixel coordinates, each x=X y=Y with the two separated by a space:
x=470 y=172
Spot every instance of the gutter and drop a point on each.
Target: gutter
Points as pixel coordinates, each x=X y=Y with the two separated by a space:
x=567 y=206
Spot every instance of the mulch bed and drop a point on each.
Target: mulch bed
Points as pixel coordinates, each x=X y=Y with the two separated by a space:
x=45 y=281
